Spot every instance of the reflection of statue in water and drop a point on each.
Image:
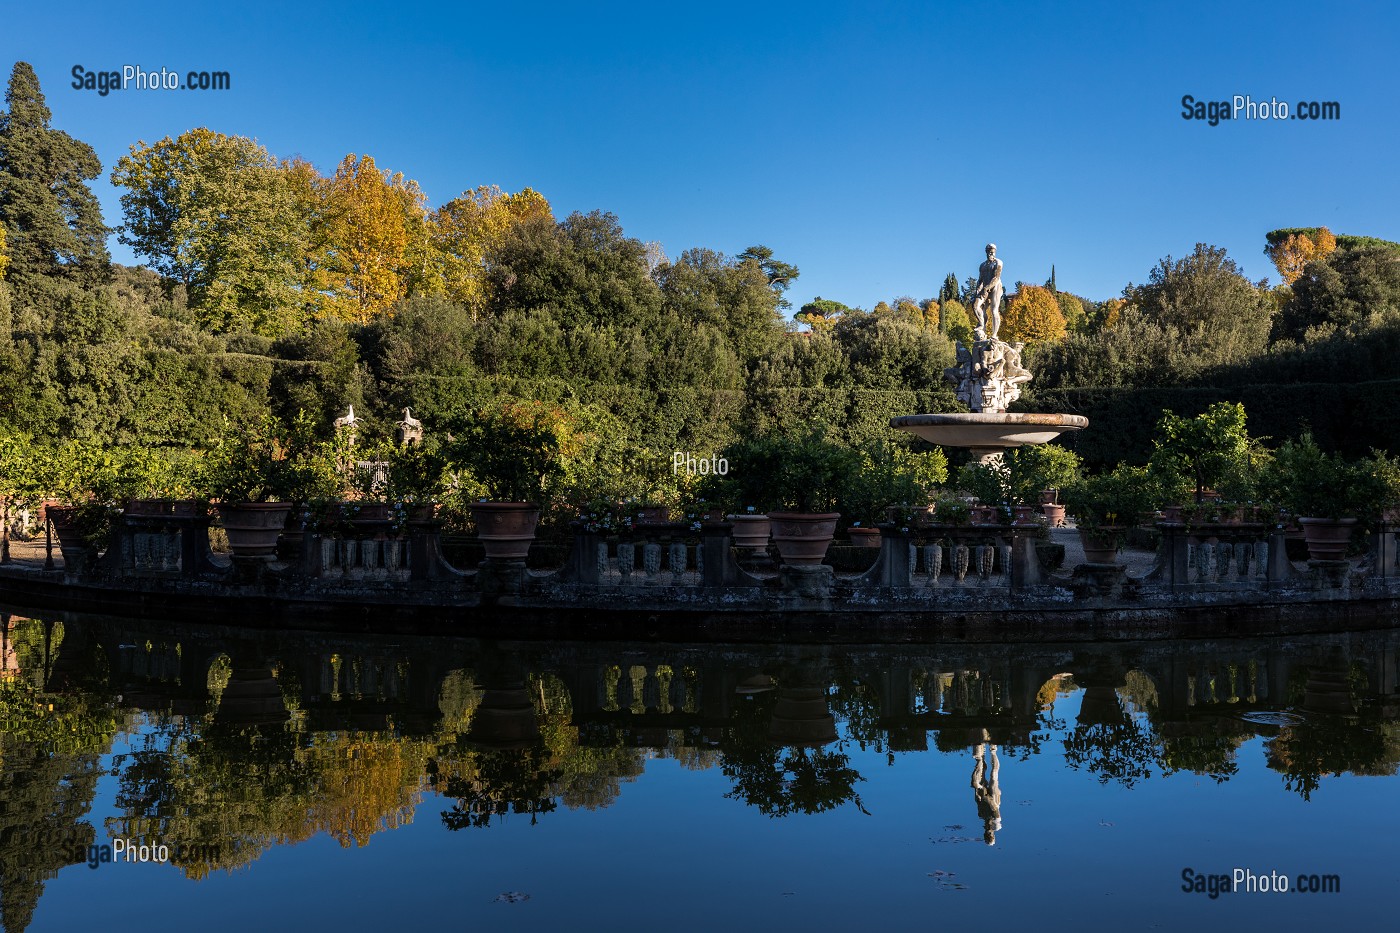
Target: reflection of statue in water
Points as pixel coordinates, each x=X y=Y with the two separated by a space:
x=987 y=792
x=988 y=293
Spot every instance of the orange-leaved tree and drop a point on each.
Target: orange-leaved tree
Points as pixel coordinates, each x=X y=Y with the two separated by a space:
x=1032 y=316
x=1298 y=249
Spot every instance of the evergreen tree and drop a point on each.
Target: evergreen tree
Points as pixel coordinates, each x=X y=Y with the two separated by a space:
x=949 y=291
x=52 y=222
x=1050 y=284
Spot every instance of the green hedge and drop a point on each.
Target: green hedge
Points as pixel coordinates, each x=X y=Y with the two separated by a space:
x=1351 y=418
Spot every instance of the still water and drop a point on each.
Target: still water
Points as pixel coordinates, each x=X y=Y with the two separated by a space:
x=310 y=781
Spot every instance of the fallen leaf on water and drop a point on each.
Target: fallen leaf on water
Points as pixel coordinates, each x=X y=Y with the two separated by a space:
x=512 y=897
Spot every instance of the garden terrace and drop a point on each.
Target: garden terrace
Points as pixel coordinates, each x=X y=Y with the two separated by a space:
x=971 y=582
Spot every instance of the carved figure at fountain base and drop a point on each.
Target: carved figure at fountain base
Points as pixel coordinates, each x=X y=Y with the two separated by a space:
x=988 y=375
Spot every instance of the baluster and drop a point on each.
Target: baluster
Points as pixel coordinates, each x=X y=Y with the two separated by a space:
x=651 y=560
x=601 y=556
x=985 y=555
x=933 y=561
x=676 y=561
x=1004 y=552
x=626 y=560
x=960 y=561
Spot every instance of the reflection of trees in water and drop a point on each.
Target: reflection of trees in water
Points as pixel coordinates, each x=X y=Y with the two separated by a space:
x=50 y=754
x=1322 y=746
x=534 y=778
x=783 y=780
x=1121 y=737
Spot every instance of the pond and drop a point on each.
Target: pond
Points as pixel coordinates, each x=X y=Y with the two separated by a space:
x=322 y=781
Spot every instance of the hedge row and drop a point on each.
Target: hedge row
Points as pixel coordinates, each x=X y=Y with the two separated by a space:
x=1351 y=418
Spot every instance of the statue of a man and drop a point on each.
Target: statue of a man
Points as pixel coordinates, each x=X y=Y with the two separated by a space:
x=986 y=300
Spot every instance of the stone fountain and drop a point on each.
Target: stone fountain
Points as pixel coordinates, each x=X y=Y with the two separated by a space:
x=987 y=378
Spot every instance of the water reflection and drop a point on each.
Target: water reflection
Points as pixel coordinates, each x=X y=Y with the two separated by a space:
x=237 y=742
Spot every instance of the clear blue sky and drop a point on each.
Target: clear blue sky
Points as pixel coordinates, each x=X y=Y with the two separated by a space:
x=876 y=147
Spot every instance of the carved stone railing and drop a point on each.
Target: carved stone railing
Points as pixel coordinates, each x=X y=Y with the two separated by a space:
x=956 y=556
x=1244 y=554
x=655 y=555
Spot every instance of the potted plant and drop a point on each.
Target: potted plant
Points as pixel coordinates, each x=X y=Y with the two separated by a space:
x=1327 y=493
x=800 y=479
x=85 y=481
x=812 y=474
x=1105 y=506
x=258 y=471
x=510 y=452
x=889 y=473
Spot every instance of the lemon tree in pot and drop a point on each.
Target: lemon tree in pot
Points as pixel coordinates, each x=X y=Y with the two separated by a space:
x=258 y=471
x=803 y=476
x=889 y=475
x=509 y=454
x=1106 y=505
x=1328 y=494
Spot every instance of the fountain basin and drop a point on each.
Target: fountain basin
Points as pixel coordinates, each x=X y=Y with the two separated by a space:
x=988 y=433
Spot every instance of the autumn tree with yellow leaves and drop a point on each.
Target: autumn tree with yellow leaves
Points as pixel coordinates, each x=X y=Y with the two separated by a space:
x=1296 y=250
x=371 y=234
x=463 y=232
x=1032 y=316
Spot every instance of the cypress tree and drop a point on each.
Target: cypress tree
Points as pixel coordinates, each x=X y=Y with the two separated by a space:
x=53 y=223
x=949 y=291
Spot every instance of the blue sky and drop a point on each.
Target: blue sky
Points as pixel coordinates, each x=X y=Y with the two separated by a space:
x=877 y=147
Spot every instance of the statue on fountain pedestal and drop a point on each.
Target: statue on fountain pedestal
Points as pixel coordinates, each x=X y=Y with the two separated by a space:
x=988 y=375
x=986 y=300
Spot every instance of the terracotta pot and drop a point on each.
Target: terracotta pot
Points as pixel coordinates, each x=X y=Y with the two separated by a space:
x=1049 y=496
x=984 y=515
x=1327 y=537
x=163 y=508
x=422 y=512
x=253 y=527
x=1100 y=544
x=367 y=517
x=803 y=537
x=1054 y=515
x=1172 y=514
x=653 y=515
x=71 y=541
x=1027 y=515
x=863 y=537
x=506 y=529
x=751 y=531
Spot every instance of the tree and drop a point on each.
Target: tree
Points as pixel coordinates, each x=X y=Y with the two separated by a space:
x=1348 y=292
x=1296 y=250
x=953 y=321
x=4 y=254
x=822 y=313
x=372 y=231
x=949 y=291
x=1221 y=316
x=733 y=297
x=1210 y=450
x=219 y=215
x=465 y=231
x=1050 y=282
x=1076 y=319
x=1032 y=316
x=52 y=222
x=780 y=275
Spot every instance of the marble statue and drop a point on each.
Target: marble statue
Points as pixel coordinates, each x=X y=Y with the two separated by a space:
x=988 y=375
x=986 y=299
